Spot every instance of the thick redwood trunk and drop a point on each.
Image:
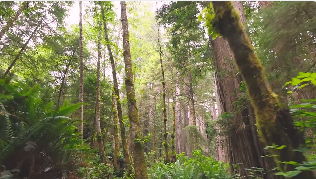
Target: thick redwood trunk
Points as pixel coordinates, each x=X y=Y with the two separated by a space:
x=274 y=123
x=242 y=134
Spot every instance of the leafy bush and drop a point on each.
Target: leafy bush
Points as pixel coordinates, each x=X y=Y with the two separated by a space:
x=197 y=167
x=35 y=138
x=305 y=120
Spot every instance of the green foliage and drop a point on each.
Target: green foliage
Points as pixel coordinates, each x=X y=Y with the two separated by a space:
x=302 y=80
x=224 y=123
x=207 y=16
x=284 y=42
x=188 y=45
x=98 y=170
x=197 y=167
x=305 y=120
x=30 y=126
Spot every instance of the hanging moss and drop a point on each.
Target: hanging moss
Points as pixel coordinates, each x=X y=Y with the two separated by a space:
x=274 y=123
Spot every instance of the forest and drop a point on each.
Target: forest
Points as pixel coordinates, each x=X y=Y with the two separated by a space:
x=157 y=90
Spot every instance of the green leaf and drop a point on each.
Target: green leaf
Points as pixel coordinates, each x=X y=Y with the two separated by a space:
x=295 y=81
x=289 y=174
x=66 y=110
x=281 y=147
x=303 y=75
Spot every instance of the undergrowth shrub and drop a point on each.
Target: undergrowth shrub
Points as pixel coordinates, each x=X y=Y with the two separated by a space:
x=38 y=141
x=305 y=120
x=197 y=167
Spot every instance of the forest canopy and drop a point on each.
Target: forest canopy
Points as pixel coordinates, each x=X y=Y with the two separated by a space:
x=157 y=90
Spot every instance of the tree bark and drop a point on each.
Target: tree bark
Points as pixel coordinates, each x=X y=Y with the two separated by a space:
x=153 y=119
x=178 y=117
x=240 y=133
x=173 y=147
x=81 y=82
x=97 y=103
x=164 y=108
x=192 y=117
x=140 y=164
x=126 y=153
x=274 y=123
x=115 y=132
x=186 y=145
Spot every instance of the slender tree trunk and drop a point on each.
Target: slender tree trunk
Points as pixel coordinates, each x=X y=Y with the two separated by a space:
x=186 y=144
x=192 y=117
x=173 y=147
x=274 y=123
x=63 y=81
x=178 y=117
x=153 y=119
x=20 y=52
x=140 y=164
x=11 y=22
x=81 y=83
x=97 y=103
x=164 y=108
x=115 y=132
x=126 y=153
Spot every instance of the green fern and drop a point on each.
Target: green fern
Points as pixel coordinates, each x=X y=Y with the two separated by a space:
x=36 y=124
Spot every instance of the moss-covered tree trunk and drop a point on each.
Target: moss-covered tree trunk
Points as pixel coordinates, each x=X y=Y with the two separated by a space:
x=140 y=164
x=164 y=106
x=116 y=90
x=274 y=123
x=240 y=144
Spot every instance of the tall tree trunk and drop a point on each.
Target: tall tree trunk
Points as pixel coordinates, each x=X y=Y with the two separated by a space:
x=192 y=117
x=173 y=147
x=11 y=21
x=20 y=52
x=153 y=119
x=97 y=103
x=178 y=117
x=240 y=133
x=186 y=145
x=115 y=132
x=274 y=123
x=164 y=107
x=81 y=71
x=126 y=153
x=140 y=164
x=63 y=81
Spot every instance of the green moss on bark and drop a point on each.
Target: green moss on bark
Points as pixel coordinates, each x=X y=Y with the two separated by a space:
x=274 y=123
